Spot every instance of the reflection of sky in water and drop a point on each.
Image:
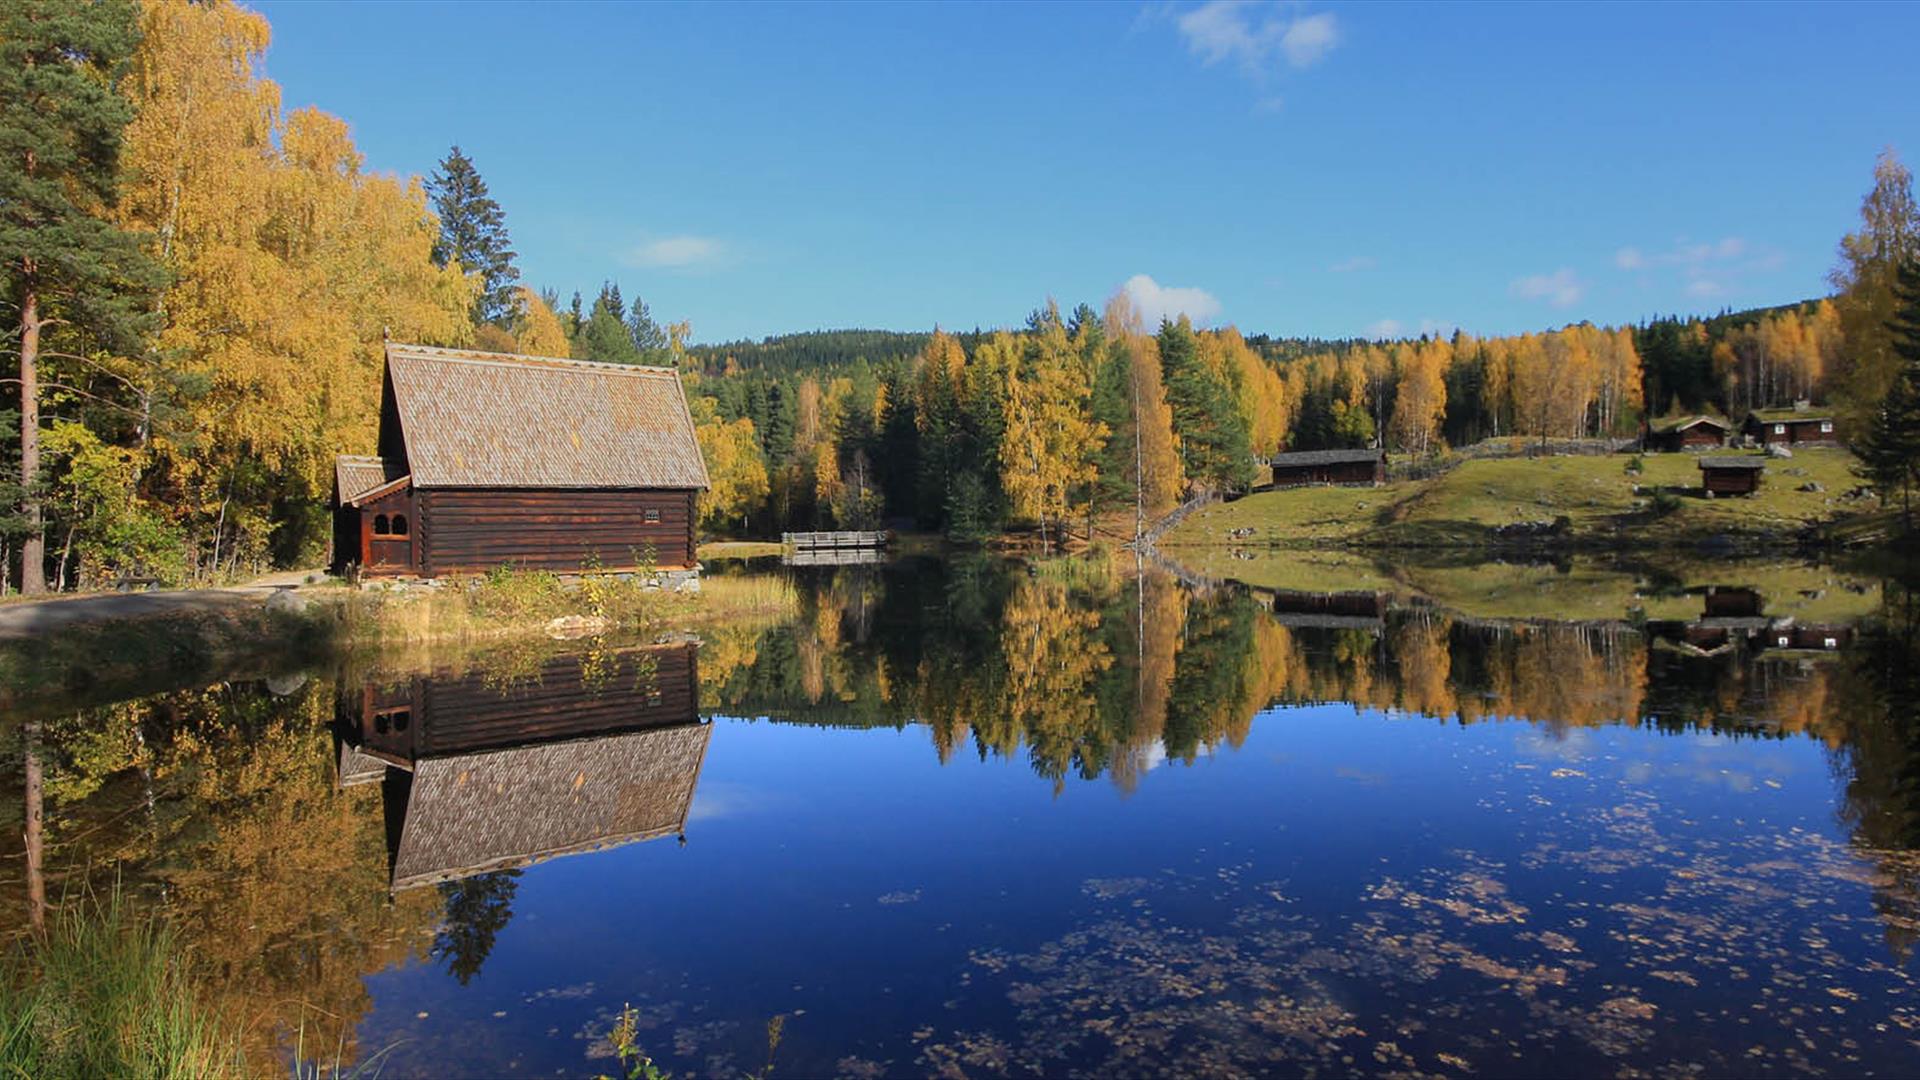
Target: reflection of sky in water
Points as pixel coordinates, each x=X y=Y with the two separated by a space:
x=1353 y=893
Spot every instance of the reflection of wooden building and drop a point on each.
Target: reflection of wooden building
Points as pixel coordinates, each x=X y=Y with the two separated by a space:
x=1792 y=427
x=489 y=460
x=1328 y=611
x=1329 y=467
x=586 y=752
x=1731 y=475
x=1688 y=433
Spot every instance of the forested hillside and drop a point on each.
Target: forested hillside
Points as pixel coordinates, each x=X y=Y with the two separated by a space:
x=196 y=283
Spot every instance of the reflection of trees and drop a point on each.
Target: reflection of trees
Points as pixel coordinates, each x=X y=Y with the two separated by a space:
x=217 y=807
x=477 y=909
x=1878 y=700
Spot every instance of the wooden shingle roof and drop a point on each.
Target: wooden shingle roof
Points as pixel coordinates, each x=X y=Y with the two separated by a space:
x=1732 y=463
x=474 y=419
x=474 y=813
x=354 y=476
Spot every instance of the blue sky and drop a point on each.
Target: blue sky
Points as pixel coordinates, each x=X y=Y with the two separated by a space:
x=1325 y=170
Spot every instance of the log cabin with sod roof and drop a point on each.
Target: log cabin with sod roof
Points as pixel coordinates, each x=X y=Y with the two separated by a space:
x=1687 y=433
x=489 y=459
x=1801 y=425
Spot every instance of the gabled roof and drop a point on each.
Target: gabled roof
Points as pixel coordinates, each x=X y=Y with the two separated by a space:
x=1325 y=457
x=475 y=419
x=1788 y=416
x=474 y=813
x=1682 y=423
x=355 y=476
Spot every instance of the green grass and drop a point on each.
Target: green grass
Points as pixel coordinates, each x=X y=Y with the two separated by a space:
x=106 y=993
x=1597 y=495
x=1578 y=588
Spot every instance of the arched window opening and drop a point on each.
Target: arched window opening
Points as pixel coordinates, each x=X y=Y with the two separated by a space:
x=399 y=525
x=380 y=525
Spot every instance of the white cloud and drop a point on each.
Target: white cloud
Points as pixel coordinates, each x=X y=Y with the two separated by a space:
x=1155 y=301
x=679 y=253
x=1629 y=259
x=1704 y=269
x=1353 y=264
x=1394 y=329
x=1704 y=289
x=1255 y=35
x=1562 y=288
x=1309 y=38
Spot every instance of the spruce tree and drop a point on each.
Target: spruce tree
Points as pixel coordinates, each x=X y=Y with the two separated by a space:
x=1890 y=450
x=1215 y=446
x=604 y=336
x=647 y=335
x=62 y=262
x=473 y=233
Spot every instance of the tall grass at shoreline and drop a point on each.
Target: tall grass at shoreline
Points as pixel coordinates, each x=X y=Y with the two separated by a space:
x=107 y=993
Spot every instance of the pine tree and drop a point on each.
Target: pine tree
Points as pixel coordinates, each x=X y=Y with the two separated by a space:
x=61 y=122
x=473 y=233
x=1890 y=452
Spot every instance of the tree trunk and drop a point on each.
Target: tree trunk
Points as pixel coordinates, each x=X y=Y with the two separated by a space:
x=35 y=844
x=33 y=547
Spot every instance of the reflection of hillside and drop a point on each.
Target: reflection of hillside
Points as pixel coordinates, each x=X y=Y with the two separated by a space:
x=1088 y=673
x=587 y=751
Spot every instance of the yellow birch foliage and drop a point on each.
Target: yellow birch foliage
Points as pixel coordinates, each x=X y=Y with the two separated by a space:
x=735 y=469
x=536 y=329
x=1420 y=396
x=287 y=259
x=1050 y=443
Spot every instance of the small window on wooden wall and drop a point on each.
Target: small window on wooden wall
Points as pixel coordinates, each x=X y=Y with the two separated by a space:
x=381 y=525
x=653 y=517
x=399 y=524
x=390 y=526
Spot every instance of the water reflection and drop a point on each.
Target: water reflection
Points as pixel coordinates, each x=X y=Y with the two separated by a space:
x=1630 y=876
x=585 y=752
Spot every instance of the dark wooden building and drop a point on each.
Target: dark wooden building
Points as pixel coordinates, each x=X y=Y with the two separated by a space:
x=1792 y=427
x=1329 y=467
x=1731 y=475
x=1687 y=433
x=491 y=460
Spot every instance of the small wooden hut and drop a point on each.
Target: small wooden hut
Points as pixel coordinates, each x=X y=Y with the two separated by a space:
x=1350 y=467
x=1731 y=475
x=1800 y=425
x=1687 y=433
x=489 y=459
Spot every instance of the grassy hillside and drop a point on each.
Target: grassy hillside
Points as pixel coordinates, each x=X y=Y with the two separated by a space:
x=1604 y=503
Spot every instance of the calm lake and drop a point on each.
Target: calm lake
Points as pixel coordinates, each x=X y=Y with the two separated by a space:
x=983 y=818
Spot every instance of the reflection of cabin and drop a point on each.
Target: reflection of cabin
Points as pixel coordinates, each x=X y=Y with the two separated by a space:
x=1731 y=475
x=481 y=771
x=488 y=459
x=1731 y=603
x=1329 y=467
x=1688 y=433
x=1791 y=427
x=1817 y=637
x=1328 y=611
